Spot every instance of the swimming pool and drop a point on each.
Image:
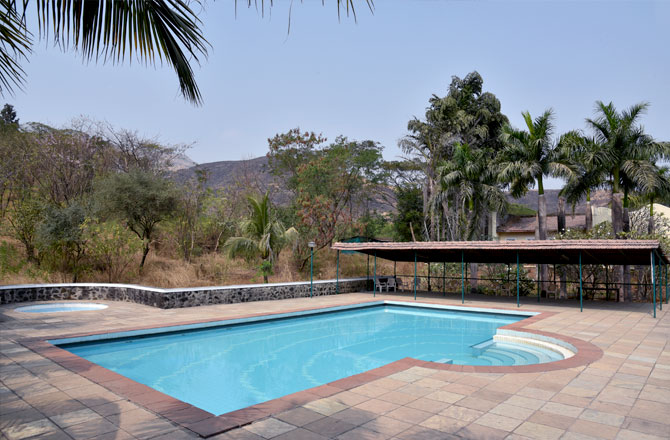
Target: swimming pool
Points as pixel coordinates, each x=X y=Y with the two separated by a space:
x=233 y=365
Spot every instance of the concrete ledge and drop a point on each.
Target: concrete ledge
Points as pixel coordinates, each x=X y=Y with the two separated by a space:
x=176 y=298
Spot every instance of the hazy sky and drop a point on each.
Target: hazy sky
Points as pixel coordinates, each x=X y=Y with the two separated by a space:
x=365 y=80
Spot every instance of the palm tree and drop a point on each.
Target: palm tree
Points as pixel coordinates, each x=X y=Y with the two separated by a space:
x=656 y=189
x=528 y=156
x=629 y=159
x=581 y=158
x=469 y=182
x=629 y=155
x=263 y=236
x=102 y=29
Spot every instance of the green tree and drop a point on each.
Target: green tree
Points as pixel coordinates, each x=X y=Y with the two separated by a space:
x=409 y=211
x=471 y=184
x=8 y=116
x=26 y=214
x=581 y=158
x=467 y=115
x=139 y=198
x=61 y=239
x=629 y=154
x=529 y=155
x=263 y=236
x=111 y=247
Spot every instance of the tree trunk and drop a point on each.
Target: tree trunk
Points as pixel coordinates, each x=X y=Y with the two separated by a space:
x=542 y=217
x=564 y=284
x=474 y=281
x=542 y=235
x=617 y=227
x=651 y=228
x=617 y=213
x=561 y=215
x=145 y=251
x=589 y=216
x=265 y=278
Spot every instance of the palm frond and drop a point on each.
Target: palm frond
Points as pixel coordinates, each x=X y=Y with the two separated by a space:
x=150 y=30
x=240 y=247
x=15 y=43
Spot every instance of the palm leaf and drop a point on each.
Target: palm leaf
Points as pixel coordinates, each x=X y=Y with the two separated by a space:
x=15 y=42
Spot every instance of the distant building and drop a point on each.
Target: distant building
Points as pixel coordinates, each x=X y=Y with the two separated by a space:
x=525 y=228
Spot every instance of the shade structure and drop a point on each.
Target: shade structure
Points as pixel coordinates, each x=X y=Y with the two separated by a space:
x=611 y=252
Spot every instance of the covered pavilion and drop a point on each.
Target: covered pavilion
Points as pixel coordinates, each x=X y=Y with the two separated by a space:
x=577 y=252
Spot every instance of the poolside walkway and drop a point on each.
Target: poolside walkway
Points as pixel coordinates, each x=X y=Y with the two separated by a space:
x=625 y=394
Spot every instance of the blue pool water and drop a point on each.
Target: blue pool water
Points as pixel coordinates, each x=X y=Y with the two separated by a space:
x=228 y=367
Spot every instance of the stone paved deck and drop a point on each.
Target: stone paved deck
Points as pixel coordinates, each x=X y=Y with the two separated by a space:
x=625 y=394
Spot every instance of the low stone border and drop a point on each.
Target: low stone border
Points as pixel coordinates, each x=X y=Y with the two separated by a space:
x=207 y=424
x=177 y=298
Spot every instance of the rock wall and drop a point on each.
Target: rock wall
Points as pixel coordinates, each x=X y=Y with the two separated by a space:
x=176 y=298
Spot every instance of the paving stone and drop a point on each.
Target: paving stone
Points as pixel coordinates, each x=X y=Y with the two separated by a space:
x=269 y=428
x=409 y=415
x=297 y=434
x=499 y=422
x=462 y=413
x=515 y=412
x=299 y=416
x=602 y=417
x=91 y=428
x=553 y=420
x=444 y=424
x=34 y=428
x=329 y=427
x=387 y=425
x=538 y=431
x=325 y=406
x=594 y=429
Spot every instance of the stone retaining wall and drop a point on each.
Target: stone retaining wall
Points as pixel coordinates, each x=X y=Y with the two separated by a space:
x=176 y=298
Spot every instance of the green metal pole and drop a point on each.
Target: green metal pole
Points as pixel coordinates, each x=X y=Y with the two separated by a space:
x=311 y=272
x=581 y=300
x=415 y=276
x=666 y=284
x=653 y=281
x=394 y=269
x=444 y=279
x=517 y=279
x=374 y=280
x=337 y=271
x=660 y=284
x=367 y=276
x=462 y=278
x=538 y=283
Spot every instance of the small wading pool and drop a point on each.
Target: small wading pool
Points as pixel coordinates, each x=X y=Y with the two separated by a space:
x=228 y=365
x=60 y=307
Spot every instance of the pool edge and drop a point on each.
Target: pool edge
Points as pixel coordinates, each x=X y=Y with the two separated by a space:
x=206 y=424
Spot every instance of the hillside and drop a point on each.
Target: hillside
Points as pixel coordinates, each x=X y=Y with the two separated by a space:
x=254 y=173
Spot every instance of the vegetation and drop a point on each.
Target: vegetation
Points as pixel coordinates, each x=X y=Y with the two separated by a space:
x=90 y=202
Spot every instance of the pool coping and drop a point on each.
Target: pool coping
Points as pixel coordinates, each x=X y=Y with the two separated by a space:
x=206 y=424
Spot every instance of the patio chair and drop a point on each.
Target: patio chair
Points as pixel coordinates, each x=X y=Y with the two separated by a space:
x=391 y=284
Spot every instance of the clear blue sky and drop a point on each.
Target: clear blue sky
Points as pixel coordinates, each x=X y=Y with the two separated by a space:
x=365 y=80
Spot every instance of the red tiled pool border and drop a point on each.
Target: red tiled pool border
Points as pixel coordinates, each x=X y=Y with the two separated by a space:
x=207 y=424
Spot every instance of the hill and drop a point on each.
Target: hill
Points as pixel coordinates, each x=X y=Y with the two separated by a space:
x=255 y=174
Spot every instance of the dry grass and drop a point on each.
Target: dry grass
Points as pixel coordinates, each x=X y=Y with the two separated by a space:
x=162 y=269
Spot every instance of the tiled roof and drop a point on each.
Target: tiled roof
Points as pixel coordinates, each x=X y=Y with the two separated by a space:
x=632 y=252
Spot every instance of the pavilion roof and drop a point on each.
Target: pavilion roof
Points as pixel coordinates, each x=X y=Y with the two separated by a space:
x=611 y=252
